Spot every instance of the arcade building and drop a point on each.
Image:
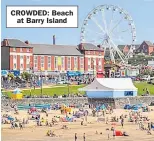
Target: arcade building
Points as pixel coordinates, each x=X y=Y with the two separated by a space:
x=51 y=59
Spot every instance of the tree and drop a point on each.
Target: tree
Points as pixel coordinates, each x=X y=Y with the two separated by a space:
x=25 y=76
x=11 y=76
x=152 y=53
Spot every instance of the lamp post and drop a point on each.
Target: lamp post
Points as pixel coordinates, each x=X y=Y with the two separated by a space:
x=93 y=67
x=30 y=71
x=41 y=85
x=68 y=84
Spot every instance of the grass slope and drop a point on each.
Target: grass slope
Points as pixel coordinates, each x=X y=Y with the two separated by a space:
x=59 y=90
x=142 y=85
x=63 y=89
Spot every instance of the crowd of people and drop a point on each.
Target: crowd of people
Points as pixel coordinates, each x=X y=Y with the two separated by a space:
x=41 y=116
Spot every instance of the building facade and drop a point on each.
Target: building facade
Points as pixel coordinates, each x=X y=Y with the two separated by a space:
x=47 y=58
x=16 y=55
x=146 y=47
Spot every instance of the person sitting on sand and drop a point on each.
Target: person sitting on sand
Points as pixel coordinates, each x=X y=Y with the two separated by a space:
x=64 y=127
x=12 y=125
x=81 y=122
x=48 y=132
x=125 y=134
x=52 y=134
x=53 y=121
x=16 y=125
x=114 y=133
x=20 y=125
x=148 y=132
x=46 y=123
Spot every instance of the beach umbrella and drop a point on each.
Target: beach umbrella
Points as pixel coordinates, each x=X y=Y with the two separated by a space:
x=33 y=109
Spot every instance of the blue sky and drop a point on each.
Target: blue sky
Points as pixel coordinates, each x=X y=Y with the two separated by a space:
x=141 y=11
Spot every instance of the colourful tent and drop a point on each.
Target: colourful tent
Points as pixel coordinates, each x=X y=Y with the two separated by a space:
x=17 y=94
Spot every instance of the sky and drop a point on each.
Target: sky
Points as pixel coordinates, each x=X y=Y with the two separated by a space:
x=142 y=12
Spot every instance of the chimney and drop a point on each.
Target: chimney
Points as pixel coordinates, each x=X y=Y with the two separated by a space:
x=54 y=40
x=5 y=42
x=99 y=46
x=27 y=42
x=81 y=47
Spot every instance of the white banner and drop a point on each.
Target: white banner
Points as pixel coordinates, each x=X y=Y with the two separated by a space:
x=42 y=16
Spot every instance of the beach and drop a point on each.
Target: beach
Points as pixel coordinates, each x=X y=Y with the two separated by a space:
x=32 y=132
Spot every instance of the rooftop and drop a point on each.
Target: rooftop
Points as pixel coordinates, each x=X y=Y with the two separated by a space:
x=89 y=46
x=65 y=50
x=149 y=43
x=14 y=43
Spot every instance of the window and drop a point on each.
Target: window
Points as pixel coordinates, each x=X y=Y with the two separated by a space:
x=14 y=57
x=69 y=62
x=28 y=59
x=35 y=61
x=89 y=63
x=15 y=66
x=42 y=61
x=28 y=66
x=88 y=52
x=56 y=62
x=28 y=50
x=35 y=65
x=94 y=63
x=14 y=49
x=128 y=93
x=63 y=62
x=21 y=49
x=81 y=62
x=21 y=57
x=21 y=66
x=49 y=62
x=99 y=64
x=100 y=53
x=75 y=62
x=89 y=60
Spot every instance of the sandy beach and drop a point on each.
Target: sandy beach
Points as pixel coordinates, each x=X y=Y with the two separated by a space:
x=32 y=132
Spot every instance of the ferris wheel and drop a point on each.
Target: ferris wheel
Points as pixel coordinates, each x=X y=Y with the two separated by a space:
x=109 y=26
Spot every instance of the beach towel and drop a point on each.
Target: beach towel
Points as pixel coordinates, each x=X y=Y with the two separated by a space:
x=118 y=133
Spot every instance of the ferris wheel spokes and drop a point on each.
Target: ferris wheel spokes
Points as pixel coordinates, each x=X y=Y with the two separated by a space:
x=110 y=31
x=99 y=33
x=116 y=25
x=101 y=28
x=121 y=55
x=111 y=21
x=104 y=21
x=111 y=54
